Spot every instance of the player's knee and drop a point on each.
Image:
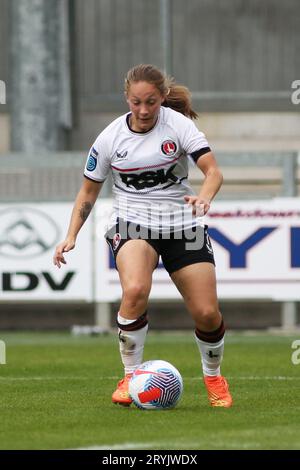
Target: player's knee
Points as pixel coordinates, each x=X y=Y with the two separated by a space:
x=208 y=317
x=135 y=294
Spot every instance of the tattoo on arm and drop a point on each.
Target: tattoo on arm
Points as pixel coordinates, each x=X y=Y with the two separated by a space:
x=85 y=210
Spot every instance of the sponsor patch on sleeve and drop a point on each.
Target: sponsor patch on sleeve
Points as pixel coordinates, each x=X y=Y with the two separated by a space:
x=91 y=163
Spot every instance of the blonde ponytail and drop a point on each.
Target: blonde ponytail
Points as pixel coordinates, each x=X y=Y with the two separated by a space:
x=178 y=98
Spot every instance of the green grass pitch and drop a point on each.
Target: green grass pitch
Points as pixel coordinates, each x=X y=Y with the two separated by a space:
x=55 y=393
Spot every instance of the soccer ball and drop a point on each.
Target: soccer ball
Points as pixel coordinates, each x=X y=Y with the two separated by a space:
x=155 y=385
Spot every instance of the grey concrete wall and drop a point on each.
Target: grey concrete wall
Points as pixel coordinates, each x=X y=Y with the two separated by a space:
x=236 y=56
x=225 y=47
x=4 y=35
x=234 y=46
x=34 y=98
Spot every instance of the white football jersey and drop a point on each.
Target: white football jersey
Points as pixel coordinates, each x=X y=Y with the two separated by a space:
x=149 y=170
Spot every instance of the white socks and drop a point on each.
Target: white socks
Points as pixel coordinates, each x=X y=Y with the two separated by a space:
x=211 y=356
x=132 y=336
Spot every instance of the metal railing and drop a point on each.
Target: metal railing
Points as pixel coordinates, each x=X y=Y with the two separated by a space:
x=58 y=176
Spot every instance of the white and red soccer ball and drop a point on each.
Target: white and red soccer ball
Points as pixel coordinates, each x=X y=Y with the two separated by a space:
x=156 y=385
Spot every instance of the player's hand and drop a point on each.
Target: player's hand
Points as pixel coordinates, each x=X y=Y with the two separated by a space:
x=63 y=247
x=199 y=205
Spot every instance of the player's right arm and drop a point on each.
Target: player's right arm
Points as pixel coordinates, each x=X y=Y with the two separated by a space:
x=83 y=205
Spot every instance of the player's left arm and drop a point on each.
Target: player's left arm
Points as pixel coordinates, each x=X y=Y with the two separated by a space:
x=213 y=179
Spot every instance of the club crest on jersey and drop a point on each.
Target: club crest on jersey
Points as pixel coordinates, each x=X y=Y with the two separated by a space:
x=169 y=147
x=116 y=241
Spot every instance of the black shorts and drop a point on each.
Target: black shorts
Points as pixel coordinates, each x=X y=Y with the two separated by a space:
x=177 y=249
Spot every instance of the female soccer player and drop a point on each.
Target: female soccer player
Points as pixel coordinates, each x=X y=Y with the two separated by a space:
x=156 y=213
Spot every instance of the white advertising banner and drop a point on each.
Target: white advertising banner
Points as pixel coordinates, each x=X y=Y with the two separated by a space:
x=28 y=236
x=256 y=246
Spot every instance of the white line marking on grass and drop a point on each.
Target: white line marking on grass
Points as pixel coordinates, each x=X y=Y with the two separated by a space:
x=123 y=446
x=250 y=377
x=266 y=377
x=174 y=444
x=57 y=378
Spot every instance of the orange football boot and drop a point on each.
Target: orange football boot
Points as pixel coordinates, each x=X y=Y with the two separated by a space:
x=218 y=391
x=121 y=394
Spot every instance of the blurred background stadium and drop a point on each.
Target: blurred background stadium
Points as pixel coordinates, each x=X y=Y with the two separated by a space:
x=63 y=62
